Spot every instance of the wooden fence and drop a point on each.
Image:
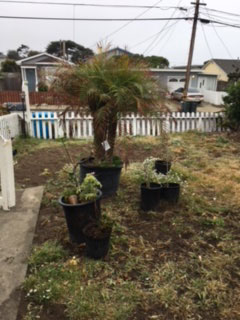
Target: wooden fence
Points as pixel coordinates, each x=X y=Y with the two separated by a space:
x=36 y=98
x=10 y=126
x=7 y=183
x=49 y=125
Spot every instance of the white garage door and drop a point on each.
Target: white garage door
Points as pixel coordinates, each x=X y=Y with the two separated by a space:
x=175 y=82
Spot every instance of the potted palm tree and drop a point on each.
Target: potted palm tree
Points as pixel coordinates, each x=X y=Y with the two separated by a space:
x=107 y=87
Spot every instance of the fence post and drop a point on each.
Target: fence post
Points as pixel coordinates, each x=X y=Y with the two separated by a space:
x=8 y=197
x=27 y=103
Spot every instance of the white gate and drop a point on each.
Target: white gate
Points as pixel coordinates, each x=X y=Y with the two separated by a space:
x=7 y=183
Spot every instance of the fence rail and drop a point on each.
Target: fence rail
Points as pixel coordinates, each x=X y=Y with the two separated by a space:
x=49 y=125
x=10 y=126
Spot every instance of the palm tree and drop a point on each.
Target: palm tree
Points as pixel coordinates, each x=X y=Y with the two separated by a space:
x=108 y=87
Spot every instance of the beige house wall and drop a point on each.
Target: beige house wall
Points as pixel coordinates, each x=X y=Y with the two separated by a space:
x=213 y=68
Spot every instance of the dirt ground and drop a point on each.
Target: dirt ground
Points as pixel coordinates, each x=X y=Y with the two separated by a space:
x=169 y=236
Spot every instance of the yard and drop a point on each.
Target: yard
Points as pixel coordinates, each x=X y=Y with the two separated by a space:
x=178 y=263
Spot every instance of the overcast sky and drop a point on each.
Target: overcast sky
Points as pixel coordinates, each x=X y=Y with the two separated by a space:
x=172 y=42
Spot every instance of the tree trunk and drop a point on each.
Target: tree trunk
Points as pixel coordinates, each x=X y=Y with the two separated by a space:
x=99 y=136
x=112 y=132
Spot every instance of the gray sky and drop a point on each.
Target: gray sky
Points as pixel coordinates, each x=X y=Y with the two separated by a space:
x=172 y=43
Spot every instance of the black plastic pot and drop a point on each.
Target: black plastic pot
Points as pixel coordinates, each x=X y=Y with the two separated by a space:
x=97 y=248
x=162 y=166
x=170 y=192
x=79 y=215
x=108 y=176
x=150 y=197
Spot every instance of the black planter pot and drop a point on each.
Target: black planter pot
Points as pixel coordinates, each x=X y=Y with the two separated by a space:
x=108 y=176
x=170 y=192
x=79 y=215
x=162 y=166
x=97 y=248
x=150 y=197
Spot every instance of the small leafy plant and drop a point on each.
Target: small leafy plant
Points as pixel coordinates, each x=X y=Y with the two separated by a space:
x=171 y=177
x=146 y=172
x=78 y=193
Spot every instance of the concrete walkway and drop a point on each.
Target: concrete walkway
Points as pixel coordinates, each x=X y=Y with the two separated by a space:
x=17 y=228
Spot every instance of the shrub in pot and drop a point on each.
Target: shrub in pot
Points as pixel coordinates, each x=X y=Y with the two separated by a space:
x=107 y=87
x=150 y=186
x=97 y=236
x=170 y=190
x=81 y=205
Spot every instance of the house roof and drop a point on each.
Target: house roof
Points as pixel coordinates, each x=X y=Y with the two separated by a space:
x=194 y=66
x=227 y=65
x=43 y=57
x=120 y=49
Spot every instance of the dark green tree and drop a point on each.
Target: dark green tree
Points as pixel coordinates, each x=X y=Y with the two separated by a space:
x=33 y=53
x=13 y=55
x=10 y=66
x=75 y=52
x=157 y=62
x=23 y=51
x=232 y=107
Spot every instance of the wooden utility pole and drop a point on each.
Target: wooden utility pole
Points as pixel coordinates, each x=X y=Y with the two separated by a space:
x=192 y=43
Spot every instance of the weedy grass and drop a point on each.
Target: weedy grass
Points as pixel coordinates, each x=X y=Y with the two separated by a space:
x=178 y=263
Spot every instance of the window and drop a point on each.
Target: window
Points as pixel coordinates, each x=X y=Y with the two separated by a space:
x=182 y=80
x=173 y=80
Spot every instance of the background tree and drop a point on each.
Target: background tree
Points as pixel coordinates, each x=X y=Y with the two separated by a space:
x=13 y=55
x=33 y=53
x=75 y=52
x=10 y=66
x=23 y=51
x=232 y=107
x=151 y=61
x=157 y=62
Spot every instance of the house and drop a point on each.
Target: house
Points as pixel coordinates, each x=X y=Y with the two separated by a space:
x=222 y=68
x=39 y=70
x=172 y=79
x=117 y=52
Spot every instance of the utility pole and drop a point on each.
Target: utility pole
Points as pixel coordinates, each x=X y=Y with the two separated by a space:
x=190 y=56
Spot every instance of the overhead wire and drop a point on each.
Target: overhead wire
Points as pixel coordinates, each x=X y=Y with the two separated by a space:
x=89 y=19
x=222 y=42
x=90 y=4
x=153 y=35
x=206 y=40
x=165 y=25
x=126 y=24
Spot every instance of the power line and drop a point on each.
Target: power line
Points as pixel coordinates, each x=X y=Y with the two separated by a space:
x=206 y=40
x=91 y=19
x=152 y=36
x=225 y=12
x=222 y=42
x=213 y=16
x=92 y=5
x=126 y=24
x=150 y=45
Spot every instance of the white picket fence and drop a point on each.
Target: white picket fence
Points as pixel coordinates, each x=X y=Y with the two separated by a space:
x=10 y=126
x=7 y=183
x=49 y=125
